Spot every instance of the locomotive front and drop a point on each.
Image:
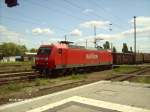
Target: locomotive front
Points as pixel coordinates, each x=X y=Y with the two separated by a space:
x=43 y=60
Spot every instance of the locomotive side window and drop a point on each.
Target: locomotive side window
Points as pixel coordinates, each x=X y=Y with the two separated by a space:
x=44 y=51
x=59 y=51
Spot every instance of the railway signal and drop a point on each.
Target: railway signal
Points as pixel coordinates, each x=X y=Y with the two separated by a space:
x=11 y=3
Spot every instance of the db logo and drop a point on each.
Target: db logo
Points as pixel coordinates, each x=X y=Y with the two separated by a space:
x=91 y=56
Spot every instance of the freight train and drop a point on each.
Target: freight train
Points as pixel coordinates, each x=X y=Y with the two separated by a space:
x=64 y=57
x=130 y=58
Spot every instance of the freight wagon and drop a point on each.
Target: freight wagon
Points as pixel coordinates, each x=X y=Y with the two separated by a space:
x=146 y=58
x=139 y=58
x=130 y=58
x=123 y=58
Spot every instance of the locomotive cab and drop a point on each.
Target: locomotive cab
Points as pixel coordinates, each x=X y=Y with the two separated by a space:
x=43 y=59
x=50 y=57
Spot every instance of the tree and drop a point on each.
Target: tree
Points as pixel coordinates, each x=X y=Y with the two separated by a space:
x=23 y=49
x=33 y=50
x=106 y=45
x=8 y=49
x=131 y=50
x=125 y=48
x=114 y=49
x=12 y=49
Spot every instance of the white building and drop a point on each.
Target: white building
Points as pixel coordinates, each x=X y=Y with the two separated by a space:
x=9 y=59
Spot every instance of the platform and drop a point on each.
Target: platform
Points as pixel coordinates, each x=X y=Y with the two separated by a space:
x=102 y=96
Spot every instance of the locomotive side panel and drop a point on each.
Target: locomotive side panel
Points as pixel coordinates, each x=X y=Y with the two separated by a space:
x=105 y=58
x=75 y=58
x=60 y=57
x=81 y=58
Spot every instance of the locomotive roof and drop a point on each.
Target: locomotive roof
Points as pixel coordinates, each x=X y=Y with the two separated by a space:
x=62 y=45
x=56 y=45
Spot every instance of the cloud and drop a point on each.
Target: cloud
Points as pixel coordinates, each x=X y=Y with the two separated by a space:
x=86 y=11
x=7 y=35
x=4 y=31
x=76 y=32
x=141 y=32
x=141 y=21
x=109 y=37
x=42 y=31
x=98 y=24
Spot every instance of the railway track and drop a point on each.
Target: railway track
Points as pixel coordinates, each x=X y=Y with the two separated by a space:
x=58 y=87
x=6 y=78
x=123 y=77
x=17 y=71
x=14 y=68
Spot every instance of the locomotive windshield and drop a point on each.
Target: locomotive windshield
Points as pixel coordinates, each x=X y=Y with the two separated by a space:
x=44 y=51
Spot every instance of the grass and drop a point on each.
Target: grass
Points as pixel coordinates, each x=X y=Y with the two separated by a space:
x=42 y=82
x=125 y=69
x=39 y=82
x=141 y=80
x=78 y=76
x=17 y=86
x=147 y=64
x=16 y=63
x=15 y=66
x=128 y=69
x=12 y=87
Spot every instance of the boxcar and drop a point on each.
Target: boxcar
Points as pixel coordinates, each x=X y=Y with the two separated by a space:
x=139 y=58
x=146 y=58
x=123 y=58
x=117 y=58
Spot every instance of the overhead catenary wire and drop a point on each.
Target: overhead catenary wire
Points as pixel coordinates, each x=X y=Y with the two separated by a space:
x=93 y=13
x=79 y=7
x=35 y=22
x=56 y=10
x=50 y=9
x=24 y=21
x=60 y=12
x=117 y=18
x=65 y=13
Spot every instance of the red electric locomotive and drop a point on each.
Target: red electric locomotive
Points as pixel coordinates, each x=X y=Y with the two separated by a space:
x=63 y=56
